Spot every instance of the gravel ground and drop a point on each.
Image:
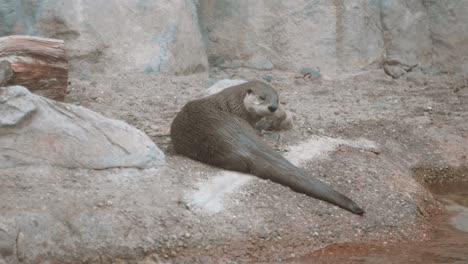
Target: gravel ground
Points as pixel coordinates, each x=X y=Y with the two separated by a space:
x=376 y=139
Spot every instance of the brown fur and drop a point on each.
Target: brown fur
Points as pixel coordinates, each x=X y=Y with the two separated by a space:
x=219 y=130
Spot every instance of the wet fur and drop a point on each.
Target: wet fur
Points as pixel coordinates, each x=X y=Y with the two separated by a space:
x=219 y=130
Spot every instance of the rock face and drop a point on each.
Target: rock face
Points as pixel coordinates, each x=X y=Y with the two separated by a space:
x=291 y=34
x=35 y=130
x=152 y=36
x=179 y=36
x=406 y=35
x=449 y=34
x=7 y=244
x=337 y=36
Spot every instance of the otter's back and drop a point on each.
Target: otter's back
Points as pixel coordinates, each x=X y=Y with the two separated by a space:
x=203 y=133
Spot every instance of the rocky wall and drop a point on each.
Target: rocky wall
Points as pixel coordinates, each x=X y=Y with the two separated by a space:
x=181 y=36
x=103 y=36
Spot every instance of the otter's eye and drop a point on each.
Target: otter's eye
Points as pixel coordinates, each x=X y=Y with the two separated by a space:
x=262 y=98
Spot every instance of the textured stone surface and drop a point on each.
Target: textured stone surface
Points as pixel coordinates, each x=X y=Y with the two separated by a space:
x=7 y=244
x=336 y=36
x=223 y=84
x=151 y=36
x=65 y=215
x=449 y=34
x=179 y=37
x=35 y=130
x=5 y=72
x=406 y=32
x=76 y=215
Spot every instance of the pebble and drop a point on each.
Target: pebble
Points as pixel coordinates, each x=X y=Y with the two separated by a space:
x=428 y=109
x=267 y=78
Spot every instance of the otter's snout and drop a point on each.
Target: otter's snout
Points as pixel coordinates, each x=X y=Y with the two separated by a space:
x=272 y=108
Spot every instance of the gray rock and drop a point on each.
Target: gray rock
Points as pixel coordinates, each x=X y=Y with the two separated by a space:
x=268 y=78
x=7 y=244
x=259 y=64
x=394 y=71
x=417 y=78
x=312 y=73
x=449 y=35
x=36 y=130
x=396 y=68
x=223 y=84
x=5 y=72
x=160 y=36
x=406 y=32
x=338 y=36
x=13 y=108
x=157 y=36
x=290 y=34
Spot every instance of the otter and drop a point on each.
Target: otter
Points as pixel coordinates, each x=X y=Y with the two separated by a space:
x=220 y=130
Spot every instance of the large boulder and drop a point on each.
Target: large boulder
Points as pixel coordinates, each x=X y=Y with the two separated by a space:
x=151 y=36
x=35 y=130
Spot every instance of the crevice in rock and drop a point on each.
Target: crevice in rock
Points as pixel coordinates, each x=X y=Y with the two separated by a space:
x=431 y=33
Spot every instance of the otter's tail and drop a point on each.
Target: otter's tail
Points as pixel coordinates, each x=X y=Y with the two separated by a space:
x=269 y=164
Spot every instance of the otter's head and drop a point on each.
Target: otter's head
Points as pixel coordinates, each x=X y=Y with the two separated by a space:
x=261 y=99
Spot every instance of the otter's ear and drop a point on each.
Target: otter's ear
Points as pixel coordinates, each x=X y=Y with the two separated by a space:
x=249 y=91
